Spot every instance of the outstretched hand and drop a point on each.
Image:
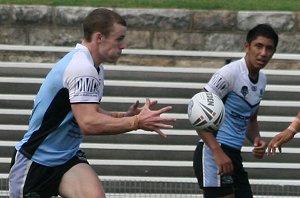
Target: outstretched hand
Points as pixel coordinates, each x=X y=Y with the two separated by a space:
x=135 y=110
x=151 y=120
x=279 y=140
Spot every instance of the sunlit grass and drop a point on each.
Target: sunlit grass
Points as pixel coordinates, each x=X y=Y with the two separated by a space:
x=280 y=5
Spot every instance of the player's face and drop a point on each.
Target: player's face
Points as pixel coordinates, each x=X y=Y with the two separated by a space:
x=111 y=46
x=259 y=52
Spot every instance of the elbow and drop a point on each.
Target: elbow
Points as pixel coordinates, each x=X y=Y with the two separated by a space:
x=88 y=128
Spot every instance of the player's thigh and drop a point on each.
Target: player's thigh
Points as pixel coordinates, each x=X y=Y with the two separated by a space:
x=81 y=181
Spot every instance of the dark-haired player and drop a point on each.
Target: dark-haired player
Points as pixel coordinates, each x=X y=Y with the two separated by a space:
x=241 y=85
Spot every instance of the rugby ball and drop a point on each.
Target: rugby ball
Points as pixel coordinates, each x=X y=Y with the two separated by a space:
x=206 y=111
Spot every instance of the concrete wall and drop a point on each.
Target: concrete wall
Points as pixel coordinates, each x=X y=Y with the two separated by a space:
x=148 y=28
x=179 y=29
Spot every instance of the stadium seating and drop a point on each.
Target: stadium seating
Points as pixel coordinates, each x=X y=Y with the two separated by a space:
x=142 y=162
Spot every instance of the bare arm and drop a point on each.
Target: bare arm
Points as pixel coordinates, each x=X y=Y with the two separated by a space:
x=254 y=137
x=285 y=136
x=222 y=160
x=133 y=110
x=92 y=120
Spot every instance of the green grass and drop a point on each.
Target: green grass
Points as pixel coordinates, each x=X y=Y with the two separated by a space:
x=268 y=5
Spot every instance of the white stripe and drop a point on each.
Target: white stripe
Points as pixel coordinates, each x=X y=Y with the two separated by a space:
x=159 y=69
x=145 y=84
x=34 y=48
x=170 y=115
x=26 y=65
x=280 y=182
x=148 y=147
x=156 y=52
x=168 y=132
x=172 y=163
x=155 y=195
x=119 y=99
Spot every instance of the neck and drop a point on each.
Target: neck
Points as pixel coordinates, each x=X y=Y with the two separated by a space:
x=252 y=70
x=93 y=49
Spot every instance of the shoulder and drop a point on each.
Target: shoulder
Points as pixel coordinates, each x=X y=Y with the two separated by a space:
x=81 y=64
x=232 y=68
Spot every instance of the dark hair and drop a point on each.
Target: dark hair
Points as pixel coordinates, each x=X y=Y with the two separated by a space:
x=264 y=30
x=101 y=20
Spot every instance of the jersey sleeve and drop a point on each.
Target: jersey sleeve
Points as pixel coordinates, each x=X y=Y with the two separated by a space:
x=82 y=81
x=221 y=82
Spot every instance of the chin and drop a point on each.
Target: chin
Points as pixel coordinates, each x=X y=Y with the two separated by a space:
x=259 y=67
x=112 y=60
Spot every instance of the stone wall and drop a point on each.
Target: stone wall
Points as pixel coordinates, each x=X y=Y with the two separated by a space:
x=178 y=29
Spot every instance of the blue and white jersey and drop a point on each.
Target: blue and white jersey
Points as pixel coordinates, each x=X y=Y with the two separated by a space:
x=54 y=136
x=241 y=98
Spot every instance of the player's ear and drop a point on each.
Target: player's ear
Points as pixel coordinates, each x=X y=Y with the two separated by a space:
x=97 y=36
x=246 y=46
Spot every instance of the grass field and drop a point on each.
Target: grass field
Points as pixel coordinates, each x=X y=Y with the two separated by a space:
x=274 y=5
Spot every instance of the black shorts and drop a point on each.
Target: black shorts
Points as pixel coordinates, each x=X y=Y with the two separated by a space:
x=214 y=185
x=30 y=179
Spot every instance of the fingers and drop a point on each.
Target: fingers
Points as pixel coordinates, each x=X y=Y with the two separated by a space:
x=164 y=110
x=161 y=134
x=136 y=104
x=226 y=169
x=275 y=143
x=152 y=120
x=147 y=103
x=258 y=155
x=271 y=148
x=259 y=151
x=153 y=102
x=279 y=149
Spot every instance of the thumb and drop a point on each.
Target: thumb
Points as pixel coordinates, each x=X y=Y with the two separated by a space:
x=255 y=142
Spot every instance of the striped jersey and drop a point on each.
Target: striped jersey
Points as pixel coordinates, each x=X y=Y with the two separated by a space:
x=54 y=136
x=241 y=97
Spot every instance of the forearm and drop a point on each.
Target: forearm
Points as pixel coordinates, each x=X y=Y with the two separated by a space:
x=294 y=126
x=253 y=132
x=112 y=113
x=209 y=139
x=117 y=114
x=108 y=125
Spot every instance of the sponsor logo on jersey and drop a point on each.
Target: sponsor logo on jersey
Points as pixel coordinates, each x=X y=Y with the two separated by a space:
x=219 y=82
x=87 y=86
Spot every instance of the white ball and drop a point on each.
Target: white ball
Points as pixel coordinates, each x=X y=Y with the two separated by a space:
x=206 y=111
